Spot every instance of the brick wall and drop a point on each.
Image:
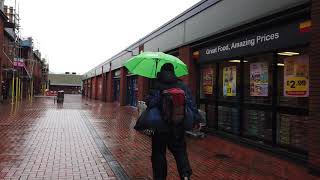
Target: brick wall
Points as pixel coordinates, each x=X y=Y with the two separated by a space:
x=104 y=86
x=93 y=87
x=191 y=79
x=99 y=87
x=143 y=83
x=143 y=86
x=1 y=77
x=1 y=53
x=123 y=86
x=314 y=104
x=109 y=86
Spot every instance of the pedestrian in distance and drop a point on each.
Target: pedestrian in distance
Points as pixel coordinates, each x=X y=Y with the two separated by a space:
x=177 y=109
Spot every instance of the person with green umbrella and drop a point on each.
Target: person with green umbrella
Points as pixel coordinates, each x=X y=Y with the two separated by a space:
x=148 y=64
x=174 y=136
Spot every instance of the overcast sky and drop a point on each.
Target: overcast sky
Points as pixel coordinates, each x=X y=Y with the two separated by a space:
x=77 y=35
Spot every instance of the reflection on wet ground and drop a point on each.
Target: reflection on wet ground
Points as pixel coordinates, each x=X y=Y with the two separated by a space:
x=88 y=139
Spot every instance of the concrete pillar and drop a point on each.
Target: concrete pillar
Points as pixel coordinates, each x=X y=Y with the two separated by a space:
x=123 y=86
x=314 y=98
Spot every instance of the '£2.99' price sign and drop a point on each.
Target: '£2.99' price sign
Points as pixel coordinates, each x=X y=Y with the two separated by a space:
x=296 y=76
x=296 y=86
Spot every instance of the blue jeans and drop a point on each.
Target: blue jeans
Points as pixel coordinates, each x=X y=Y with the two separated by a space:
x=176 y=143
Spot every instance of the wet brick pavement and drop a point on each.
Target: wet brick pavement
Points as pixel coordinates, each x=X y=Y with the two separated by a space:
x=87 y=139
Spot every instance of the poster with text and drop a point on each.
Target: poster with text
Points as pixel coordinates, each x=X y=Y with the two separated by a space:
x=207 y=80
x=230 y=81
x=259 y=79
x=296 y=76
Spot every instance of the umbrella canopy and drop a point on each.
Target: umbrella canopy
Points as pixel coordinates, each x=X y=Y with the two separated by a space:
x=148 y=64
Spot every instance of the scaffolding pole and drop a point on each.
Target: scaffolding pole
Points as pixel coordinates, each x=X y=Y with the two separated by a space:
x=21 y=90
x=31 y=89
x=16 y=89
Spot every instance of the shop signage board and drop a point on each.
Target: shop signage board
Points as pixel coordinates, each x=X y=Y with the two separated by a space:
x=296 y=76
x=259 y=79
x=230 y=81
x=18 y=64
x=207 y=80
x=267 y=39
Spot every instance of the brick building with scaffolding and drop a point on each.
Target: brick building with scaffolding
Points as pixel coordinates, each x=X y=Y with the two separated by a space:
x=23 y=73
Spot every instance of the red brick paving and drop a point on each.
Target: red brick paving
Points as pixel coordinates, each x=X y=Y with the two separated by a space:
x=45 y=141
x=132 y=149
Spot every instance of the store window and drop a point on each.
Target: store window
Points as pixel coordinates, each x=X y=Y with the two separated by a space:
x=229 y=81
x=208 y=81
x=208 y=90
x=257 y=89
x=229 y=96
x=297 y=67
x=258 y=79
x=262 y=98
x=293 y=98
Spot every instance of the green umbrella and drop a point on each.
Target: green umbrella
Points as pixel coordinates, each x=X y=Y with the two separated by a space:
x=148 y=64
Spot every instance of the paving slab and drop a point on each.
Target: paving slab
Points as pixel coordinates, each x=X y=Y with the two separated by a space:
x=89 y=139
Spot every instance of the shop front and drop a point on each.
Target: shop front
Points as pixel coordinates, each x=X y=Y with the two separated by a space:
x=99 y=87
x=254 y=86
x=89 y=84
x=132 y=90
x=116 y=85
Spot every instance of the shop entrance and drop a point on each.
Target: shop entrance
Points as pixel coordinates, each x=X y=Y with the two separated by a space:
x=132 y=90
x=116 y=89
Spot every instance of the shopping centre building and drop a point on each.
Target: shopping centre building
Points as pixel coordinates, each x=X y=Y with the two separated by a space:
x=254 y=69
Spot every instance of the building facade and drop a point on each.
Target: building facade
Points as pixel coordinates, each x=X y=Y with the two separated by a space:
x=69 y=83
x=252 y=69
x=21 y=66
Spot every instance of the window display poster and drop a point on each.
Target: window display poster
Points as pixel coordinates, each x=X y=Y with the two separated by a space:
x=207 y=80
x=230 y=81
x=259 y=79
x=296 y=76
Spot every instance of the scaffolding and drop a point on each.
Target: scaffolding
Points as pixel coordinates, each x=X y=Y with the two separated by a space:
x=13 y=51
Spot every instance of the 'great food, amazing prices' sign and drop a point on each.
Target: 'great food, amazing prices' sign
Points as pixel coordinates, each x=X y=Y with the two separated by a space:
x=281 y=36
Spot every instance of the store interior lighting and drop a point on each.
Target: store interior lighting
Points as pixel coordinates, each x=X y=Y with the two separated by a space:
x=288 y=53
x=280 y=64
x=237 y=61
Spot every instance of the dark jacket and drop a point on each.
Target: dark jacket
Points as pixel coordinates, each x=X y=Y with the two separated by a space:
x=167 y=80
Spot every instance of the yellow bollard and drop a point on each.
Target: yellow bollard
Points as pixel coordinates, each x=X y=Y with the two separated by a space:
x=21 y=90
x=16 y=89
x=31 y=89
